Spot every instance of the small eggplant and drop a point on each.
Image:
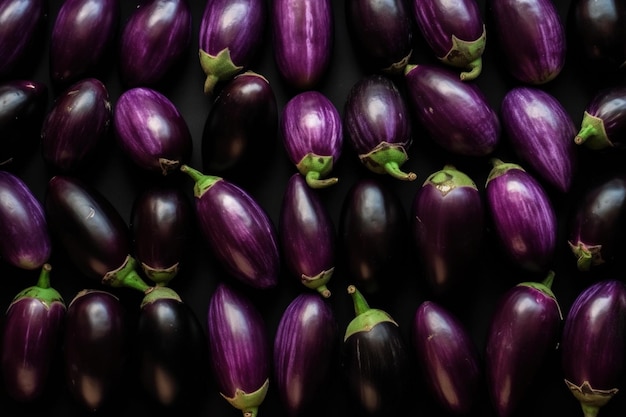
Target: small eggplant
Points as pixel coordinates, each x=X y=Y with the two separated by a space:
x=378 y=126
x=312 y=134
x=603 y=125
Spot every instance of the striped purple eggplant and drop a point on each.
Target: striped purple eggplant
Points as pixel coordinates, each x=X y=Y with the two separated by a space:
x=524 y=328
x=231 y=33
x=541 y=132
x=239 y=349
x=603 y=125
x=593 y=343
x=303 y=40
x=151 y=131
x=31 y=337
x=304 y=347
x=456 y=114
x=239 y=231
x=447 y=356
x=76 y=126
x=312 y=132
x=523 y=216
x=377 y=124
x=454 y=31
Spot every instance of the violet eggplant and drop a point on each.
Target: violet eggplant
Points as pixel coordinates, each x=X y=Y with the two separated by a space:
x=304 y=347
x=593 y=343
x=455 y=32
x=32 y=332
x=312 y=133
x=231 y=33
x=153 y=40
x=238 y=230
x=524 y=328
x=151 y=131
x=455 y=114
x=377 y=124
x=239 y=349
x=603 y=125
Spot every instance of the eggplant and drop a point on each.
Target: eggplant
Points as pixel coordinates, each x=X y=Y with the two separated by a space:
x=154 y=39
x=455 y=114
x=238 y=230
x=312 y=133
x=524 y=328
x=541 y=132
x=378 y=126
x=32 y=332
x=303 y=40
x=455 y=32
x=151 y=131
x=603 y=125
x=76 y=126
x=304 y=347
x=231 y=33
x=239 y=349
x=593 y=343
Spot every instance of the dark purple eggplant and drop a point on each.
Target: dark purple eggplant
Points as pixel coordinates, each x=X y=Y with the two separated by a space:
x=603 y=124
x=523 y=216
x=303 y=39
x=593 y=343
x=231 y=33
x=454 y=31
x=153 y=40
x=238 y=230
x=76 y=126
x=447 y=356
x=377 y=124
x=151 y=131
x=32 y=331
x=456 y=114
x=312 y=133
x=239 y=349
x=304 y=347
x=524 y=328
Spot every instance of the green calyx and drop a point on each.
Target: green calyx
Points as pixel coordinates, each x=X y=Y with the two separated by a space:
x=449 y=178
x=467 y=55
x=590 y=399
x=160 y=276
x=545 y=287
x=315 y=168
x=42 y=291
x=249 y=403
x=408 y=68
x=592 y=133
x=217 y=68
x=159 y=293
x=126 y=276
x=587 y=256
x=366 y=317
x=398 y=67
x=499 y=168
x=387 y=158
x=202 y=182
x=318 y=282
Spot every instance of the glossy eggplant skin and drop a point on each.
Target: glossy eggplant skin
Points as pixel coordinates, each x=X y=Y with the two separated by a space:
x=603 y=125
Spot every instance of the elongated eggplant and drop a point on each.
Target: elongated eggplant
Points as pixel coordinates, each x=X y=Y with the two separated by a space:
x=603 y=125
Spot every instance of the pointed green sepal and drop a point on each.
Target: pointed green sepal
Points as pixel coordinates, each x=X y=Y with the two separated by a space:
x=202 y=182
x=318 y=282
x=158 y=293
x=315 y=168
x=42 y=291
x=125 y=276
x=545 y=287
x=591 y=400
x=586 y=255
x=467 y=55
x=248 y=403
x=160 y=276
x=499 y=168
x=217 y=68
x=592 y=133
x=366 y=317
x=387 y=158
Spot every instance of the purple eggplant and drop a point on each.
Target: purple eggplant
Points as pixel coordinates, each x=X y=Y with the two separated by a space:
x=231 y=33
x=377 y=124
x=303 y=40
x=541 y=132
x=312 y=133
x=454 y=31
x=524 y=328
x=76 y=126
x=447 y=356
x=304 y=347
x=239 y=349
x=456 y=114
x=239 y=231
x=32 y=330
x=603 y=124
x=151 y=131
x=593 y=343
x=154 y=39
x=307 y=235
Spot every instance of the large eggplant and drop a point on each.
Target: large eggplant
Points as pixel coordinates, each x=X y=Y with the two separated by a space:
x=603 y=125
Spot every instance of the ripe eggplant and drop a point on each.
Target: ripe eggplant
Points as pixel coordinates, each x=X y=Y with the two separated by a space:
x=238 y=230
x=239 y=349
x=32 y=331
x=312 y=134
x=524 y=328
x=454 y=31
x=303 y=40
x=76 y=126
x=151 y=131
x=378 y=126
x=154 y=39
x=603 y=125
x=231 y=33
x=593 y=343
x=541 y=132
x=456 y=114
x=304 y=348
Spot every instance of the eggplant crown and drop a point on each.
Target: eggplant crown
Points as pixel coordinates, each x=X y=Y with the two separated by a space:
x=41 y=291
x=449 y=178
x=366 y=317
x=500 y=168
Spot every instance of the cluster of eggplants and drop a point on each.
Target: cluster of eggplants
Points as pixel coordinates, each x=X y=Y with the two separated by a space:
x=378 y=126
x=603 y=125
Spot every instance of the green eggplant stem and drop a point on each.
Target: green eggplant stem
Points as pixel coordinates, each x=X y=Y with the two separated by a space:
x=202 y=181
x=583 y=263
x=548 y=280
x=585 y=133
x=313 y=180
x=126 y=276
x=44 y=276
x=474 y=69
x=360 y=304
x=590 y=410
x=394 y=170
